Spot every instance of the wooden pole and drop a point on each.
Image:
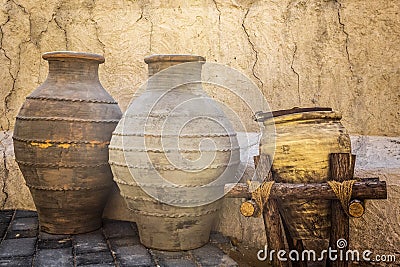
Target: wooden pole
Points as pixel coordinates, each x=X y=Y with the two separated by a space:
x=294 y=245
x=300 y=249
x=341 y=169
x=367 y=188
x=271 y=216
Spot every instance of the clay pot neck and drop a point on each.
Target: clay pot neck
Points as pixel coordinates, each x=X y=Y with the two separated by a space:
x=73 y=65
x=73 y=69
x=157 y=63
x=177 y=72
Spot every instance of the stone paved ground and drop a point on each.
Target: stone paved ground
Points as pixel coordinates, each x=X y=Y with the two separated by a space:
x=116 y=244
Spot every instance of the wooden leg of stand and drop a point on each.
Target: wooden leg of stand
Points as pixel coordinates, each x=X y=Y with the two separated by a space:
x=294 y=245
x=300 y=248
x=342 y=168
x=273 y=230
x=272 y=220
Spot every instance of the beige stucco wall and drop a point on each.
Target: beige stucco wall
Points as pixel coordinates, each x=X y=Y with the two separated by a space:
x=300 y=53
x=342 y=54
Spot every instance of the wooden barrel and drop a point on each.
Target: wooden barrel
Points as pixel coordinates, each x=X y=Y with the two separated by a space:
x=61 y=139
x=303 y=140
x=157 y=152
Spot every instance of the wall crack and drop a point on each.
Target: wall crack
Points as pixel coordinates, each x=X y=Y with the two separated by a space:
x=219 y=24
x=219 y=13
x=141 y=14
x=96 y=26
x=26 y=12
x=59 y=25
x=36 y=42
x=6 y=171
x=296 y=73
x=7 y=98
x=20 y=6
x=9 y=71
x=151 y=33
x=342 y=26
x=253 y=48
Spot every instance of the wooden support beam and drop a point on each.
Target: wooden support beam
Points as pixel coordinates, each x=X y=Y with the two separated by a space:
x=341 y=169
x=294 y=245
x=370 y=188
x=300 y=248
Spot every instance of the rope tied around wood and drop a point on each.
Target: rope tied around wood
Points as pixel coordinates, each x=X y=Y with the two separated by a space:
x=343 y=191
x=260 y=193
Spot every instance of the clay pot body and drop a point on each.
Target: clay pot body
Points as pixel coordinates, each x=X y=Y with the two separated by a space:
x=61 y=139
x=159 y=159
x=304 y=141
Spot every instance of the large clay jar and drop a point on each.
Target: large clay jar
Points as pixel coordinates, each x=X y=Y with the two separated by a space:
x=171 y=154
x=61 y=139
x=304 y=139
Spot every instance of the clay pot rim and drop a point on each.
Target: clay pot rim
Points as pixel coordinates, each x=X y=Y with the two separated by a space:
x=300 y=116
x=173 y=58
x=73 y=55
x=261 y=116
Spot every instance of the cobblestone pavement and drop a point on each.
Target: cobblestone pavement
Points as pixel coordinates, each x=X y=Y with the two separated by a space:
x=116 y=244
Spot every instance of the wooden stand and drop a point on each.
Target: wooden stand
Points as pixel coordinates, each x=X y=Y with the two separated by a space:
x=341 y=169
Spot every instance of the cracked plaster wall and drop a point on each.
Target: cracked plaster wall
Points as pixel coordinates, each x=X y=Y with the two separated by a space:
x=343 y=54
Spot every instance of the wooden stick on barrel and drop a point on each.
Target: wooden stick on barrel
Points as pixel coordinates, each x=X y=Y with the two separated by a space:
x=341 y=169
x=366 y=188
x=272 y=220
